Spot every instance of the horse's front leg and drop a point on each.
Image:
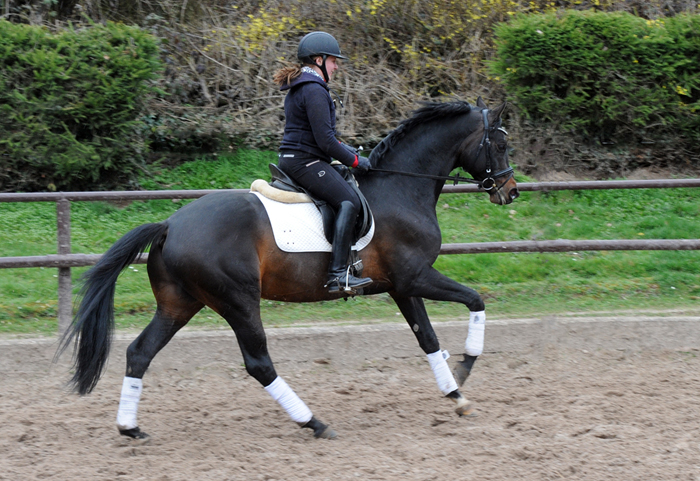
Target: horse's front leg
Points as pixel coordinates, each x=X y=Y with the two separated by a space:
x=414 y=311
x=431 y=284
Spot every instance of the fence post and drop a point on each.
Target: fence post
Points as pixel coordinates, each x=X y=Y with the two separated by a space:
x=65 y=287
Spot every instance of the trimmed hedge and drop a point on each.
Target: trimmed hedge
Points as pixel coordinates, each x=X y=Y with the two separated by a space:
x=611 y=76
x=70 y=105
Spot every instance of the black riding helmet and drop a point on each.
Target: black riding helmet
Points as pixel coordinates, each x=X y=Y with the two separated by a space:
x=318 y=44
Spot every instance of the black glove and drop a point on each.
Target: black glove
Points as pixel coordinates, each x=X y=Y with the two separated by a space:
x=363 y=165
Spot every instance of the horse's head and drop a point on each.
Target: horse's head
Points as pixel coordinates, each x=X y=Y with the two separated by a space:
x=485 y=156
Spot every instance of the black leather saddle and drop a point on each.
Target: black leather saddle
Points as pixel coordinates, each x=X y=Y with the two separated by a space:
x=280 y=180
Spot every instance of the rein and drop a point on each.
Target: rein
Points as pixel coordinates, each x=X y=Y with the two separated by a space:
x=488 y=183
x=454 y=178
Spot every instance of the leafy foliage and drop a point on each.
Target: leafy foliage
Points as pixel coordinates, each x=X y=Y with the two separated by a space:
x=608 y=75
x=217 y=92
x=70 y=104
x=401 y=52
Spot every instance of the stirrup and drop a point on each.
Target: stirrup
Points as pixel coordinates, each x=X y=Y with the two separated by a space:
x=336 y=285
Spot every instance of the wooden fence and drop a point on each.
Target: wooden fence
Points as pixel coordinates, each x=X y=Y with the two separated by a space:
x=64 y=260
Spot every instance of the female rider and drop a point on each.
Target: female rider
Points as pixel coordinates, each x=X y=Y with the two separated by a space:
x=309 y=143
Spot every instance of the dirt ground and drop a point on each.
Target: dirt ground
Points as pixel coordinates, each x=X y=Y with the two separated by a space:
x=558 y=398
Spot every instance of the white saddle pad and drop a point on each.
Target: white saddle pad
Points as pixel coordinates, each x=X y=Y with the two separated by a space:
x=299 y=227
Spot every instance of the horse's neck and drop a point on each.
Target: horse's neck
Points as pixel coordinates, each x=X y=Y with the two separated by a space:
x=410 y=192
x=430 y=152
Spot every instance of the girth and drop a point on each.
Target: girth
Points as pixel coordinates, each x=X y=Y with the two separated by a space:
x=280 y=180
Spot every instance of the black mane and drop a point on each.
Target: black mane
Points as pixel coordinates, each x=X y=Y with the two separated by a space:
x=427 y=113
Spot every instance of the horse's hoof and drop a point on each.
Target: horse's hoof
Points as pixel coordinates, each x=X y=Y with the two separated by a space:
x=467 y=410
x=464 y=407
x=463 y=368
x=321 y=431
x=135 y=433
x=327 y=433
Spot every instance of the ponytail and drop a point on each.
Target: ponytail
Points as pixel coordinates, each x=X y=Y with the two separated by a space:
x=285 y=75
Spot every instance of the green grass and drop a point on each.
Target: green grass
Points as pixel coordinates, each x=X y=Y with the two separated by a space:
x=512 y=284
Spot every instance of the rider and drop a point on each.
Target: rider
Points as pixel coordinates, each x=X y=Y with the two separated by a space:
x=309 y=143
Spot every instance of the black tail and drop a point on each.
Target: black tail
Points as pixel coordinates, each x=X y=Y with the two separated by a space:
x=93 y=325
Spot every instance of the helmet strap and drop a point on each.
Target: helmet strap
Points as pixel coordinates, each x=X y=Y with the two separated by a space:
x=323 y=68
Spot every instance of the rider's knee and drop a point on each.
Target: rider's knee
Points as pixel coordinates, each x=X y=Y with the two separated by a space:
x=352 y=207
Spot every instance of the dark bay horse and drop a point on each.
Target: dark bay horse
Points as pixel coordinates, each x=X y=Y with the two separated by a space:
x=219 y=251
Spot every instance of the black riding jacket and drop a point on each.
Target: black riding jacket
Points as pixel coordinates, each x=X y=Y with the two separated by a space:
x=310 y=121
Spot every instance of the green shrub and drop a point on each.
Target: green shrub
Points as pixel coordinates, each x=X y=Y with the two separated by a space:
x=70 y=104
x=612 y=76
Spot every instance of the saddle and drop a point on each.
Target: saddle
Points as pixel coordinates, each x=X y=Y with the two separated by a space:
x=284 y=189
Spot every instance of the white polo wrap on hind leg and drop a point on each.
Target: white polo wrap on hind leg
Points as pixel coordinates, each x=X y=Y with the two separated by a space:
x=129 y=403
x=445 y=380
x=283 y=394
x=474 y=345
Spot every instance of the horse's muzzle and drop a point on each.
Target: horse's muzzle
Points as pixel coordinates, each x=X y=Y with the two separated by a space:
x=505 y=193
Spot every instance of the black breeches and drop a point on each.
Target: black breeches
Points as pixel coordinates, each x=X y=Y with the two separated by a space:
x=320 y=180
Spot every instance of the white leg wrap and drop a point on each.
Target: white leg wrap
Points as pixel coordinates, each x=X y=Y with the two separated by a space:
x=129 y=403
x=474 y=345
x=283 y=394
x=443 y=375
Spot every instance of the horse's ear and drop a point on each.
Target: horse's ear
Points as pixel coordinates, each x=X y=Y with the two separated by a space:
x=480 y=103
x=496 y=113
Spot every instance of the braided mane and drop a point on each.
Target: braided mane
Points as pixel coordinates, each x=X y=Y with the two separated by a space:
x=427 y=113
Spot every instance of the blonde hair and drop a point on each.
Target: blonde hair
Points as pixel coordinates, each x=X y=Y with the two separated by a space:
x=285 y=75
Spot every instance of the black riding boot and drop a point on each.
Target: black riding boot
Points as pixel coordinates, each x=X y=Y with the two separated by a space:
x=339 y=279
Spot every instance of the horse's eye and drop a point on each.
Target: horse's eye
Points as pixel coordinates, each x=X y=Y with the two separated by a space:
x=501 y=146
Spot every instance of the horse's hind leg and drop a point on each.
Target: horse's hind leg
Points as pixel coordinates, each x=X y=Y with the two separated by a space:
x=413 y=309
x=245 y=321
x=175 y=308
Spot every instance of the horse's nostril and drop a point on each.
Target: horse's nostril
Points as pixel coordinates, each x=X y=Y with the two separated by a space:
x=514 y=194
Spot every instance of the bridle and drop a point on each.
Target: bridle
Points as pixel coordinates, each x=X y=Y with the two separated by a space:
x=487 y=183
